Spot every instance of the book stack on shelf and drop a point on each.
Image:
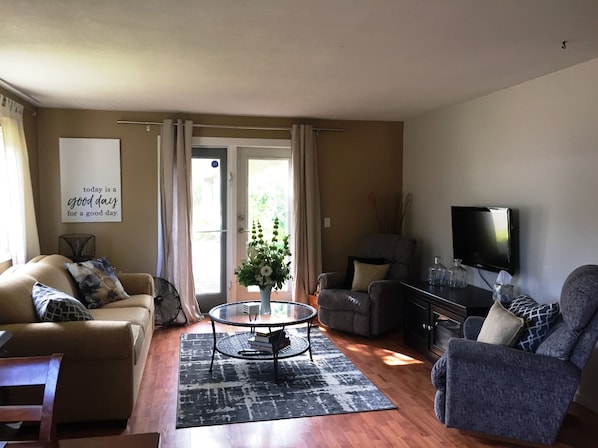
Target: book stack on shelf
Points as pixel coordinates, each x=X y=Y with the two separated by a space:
x=267 y=340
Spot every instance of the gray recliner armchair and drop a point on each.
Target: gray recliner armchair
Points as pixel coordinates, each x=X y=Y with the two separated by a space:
x=378 y=307
x=511 y=393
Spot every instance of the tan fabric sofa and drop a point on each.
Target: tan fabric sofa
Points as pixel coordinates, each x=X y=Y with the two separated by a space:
x=104 y=358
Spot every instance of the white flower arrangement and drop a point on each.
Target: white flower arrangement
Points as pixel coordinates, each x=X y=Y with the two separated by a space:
x=267 y=263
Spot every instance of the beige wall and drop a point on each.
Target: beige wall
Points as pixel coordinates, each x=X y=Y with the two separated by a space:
x=366 y=157
x=533 y=147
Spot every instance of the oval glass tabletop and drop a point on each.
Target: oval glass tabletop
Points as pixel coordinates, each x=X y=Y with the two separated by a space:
x=282 y=314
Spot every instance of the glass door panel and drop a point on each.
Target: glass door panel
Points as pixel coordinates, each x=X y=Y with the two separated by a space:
x=208 y=168
x=263 y=194
x=445 y=325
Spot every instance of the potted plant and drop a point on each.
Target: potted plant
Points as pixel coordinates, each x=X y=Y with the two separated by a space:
x=267 y=265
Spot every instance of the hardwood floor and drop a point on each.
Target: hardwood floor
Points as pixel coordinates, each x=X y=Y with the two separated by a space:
x=403 y=375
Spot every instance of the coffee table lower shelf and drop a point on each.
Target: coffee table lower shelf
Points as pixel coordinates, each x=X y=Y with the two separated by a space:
x=233 y=345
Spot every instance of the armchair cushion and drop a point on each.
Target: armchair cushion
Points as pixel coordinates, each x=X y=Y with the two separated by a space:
x=367 y=273
x=539 y=319
x=351 y=267
x=501 y=326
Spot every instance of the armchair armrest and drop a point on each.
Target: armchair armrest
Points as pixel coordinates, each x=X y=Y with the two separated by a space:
x=137 y=283
x=331 y=280
x=380 y=289
x=503 y=386
x=387 y=306
x=472 y=327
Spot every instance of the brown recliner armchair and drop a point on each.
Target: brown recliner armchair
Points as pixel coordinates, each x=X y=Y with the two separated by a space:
x=349 y=302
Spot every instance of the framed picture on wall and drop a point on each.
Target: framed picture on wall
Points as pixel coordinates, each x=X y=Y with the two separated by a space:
x=90 y=180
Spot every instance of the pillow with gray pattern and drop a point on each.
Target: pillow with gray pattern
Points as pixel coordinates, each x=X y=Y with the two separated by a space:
x=52 y=305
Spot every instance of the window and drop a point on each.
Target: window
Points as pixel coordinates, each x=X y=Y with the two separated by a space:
x=4 y=204
x=18 y=228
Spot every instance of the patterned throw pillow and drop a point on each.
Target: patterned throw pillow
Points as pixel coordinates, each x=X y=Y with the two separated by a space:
x=52 y=305
x=97 y=282
x=538 y=320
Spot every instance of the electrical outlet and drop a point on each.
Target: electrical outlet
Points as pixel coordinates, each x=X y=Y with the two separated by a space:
x=326 y=222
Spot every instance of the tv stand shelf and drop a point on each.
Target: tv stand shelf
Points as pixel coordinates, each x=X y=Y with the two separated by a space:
x=434 y=314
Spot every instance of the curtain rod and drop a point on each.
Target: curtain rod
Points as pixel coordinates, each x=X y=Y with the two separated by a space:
x=12 y=89
x=147 y=124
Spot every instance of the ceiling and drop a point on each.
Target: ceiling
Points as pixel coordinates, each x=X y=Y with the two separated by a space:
x=333 y=59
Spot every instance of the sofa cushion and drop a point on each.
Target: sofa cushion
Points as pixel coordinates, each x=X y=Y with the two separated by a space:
x=52 y=305
x=136 y=300
x=501 y=327
x=367 y=273
x=15 y=299
x=539 y=318
x=97 y=282
x=50 y=275
x=135 y=315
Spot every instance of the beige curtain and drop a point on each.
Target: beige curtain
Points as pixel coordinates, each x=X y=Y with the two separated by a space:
x=174 y=253
x=307 y=251
x=19 y=233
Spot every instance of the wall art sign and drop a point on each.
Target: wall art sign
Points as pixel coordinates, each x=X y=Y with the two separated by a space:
x=90 y=180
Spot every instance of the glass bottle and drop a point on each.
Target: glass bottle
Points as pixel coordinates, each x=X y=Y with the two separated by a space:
x=437 y=273
x=457 y=275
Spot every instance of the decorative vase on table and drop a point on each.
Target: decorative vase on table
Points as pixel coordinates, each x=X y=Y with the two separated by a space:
x=265 y=299
x=457 y=275
x=437 y=273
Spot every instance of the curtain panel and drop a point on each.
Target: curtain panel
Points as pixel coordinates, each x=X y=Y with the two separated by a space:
x=175 y=227
x=19 y=232
x=307 y=251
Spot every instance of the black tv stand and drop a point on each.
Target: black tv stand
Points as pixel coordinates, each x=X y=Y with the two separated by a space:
x=434 y=314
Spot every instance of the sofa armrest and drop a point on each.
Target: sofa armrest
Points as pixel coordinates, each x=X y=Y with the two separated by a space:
x=487 y=381
x=387 y=304
x=137 y=283
x=78 y=341
x=331 y=280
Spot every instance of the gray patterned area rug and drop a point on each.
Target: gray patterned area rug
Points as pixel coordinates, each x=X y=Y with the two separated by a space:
x=239 y=391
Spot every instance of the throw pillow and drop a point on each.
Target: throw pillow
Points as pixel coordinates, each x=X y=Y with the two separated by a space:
x=97 y=282
x=366 y=274
x=350 y=272
x=52 y=305
x=538 y=320
x=501 y=327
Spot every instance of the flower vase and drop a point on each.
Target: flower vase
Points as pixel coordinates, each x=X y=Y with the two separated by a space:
x=265 y=299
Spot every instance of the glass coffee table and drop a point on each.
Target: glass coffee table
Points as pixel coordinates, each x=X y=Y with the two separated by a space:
x=282 y=316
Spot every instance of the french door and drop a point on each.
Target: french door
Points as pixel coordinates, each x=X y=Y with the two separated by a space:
x=235 y=182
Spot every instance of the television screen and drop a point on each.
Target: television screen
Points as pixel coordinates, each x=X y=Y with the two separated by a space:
x=485 y=237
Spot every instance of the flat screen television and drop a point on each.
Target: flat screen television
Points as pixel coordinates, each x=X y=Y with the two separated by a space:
x=486 y=238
